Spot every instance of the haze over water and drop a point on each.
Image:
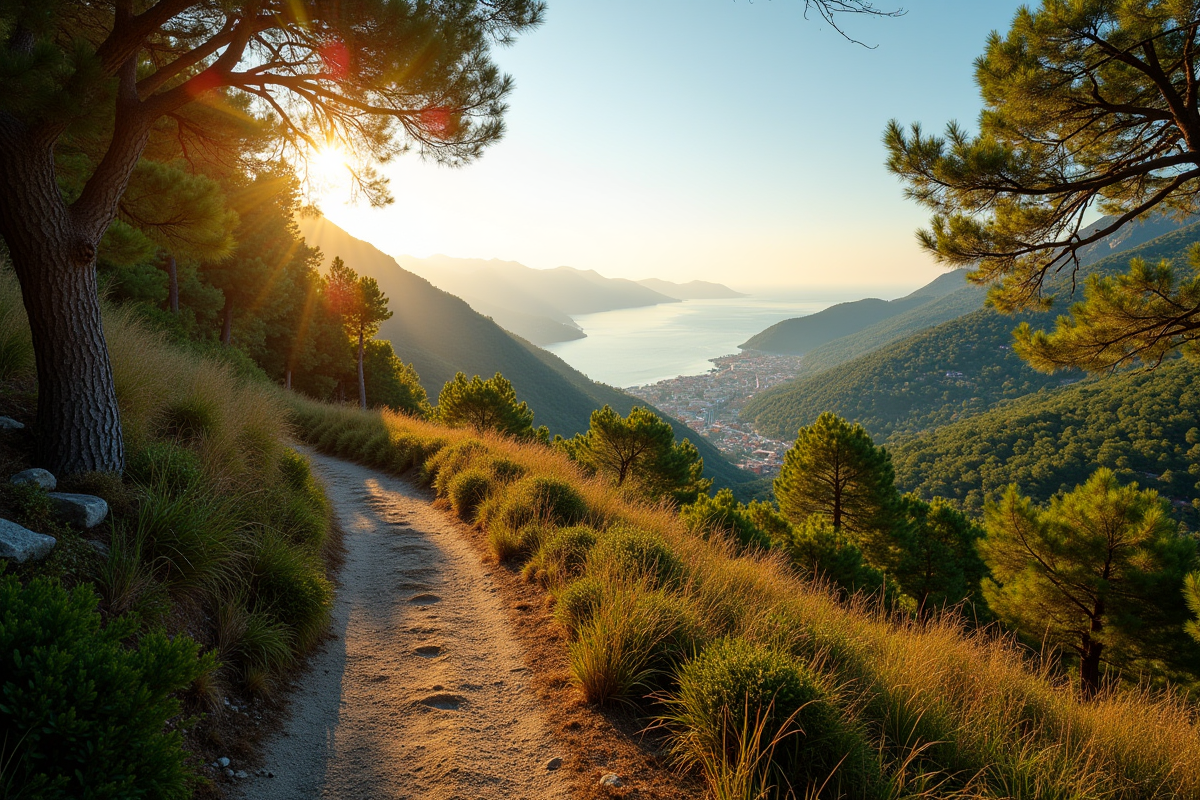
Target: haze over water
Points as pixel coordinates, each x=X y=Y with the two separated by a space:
x=637 y=346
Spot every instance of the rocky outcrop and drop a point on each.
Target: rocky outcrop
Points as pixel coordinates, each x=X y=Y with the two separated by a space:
x=36 y=476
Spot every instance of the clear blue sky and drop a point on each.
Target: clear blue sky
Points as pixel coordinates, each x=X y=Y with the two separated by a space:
x=712 y=139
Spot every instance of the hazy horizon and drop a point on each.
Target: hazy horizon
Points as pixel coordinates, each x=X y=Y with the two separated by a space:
x=683 y=140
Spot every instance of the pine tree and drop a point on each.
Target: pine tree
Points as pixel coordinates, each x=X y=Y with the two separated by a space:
x=109 y=80
x=1191 y=594
x=393 y=383
x=485 y=405
x=1098 y=572
x=836 y=471
x=640 y=451
x=1087 y=105
x=937 y=563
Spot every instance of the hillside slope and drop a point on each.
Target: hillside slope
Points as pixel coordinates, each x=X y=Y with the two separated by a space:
x=939 y=375
x=1142 y=424
x=441 y=335
x=800 y=335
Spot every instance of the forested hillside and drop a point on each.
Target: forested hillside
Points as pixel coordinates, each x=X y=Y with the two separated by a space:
x=939 y=375
x=441 y=335
x=1144 y=425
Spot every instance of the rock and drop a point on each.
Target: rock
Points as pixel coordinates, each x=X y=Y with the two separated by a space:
x=80 y=510
x=38 y=476
x=100 y=547
x=228 y=772
x=612 y=779
x=240 y=774
x=21 y=544
x=10 y=424
x=222 y=762
x=553 y=764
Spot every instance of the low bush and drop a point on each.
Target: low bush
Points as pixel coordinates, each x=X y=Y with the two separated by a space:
x=539 y=498
x=467 y=490
x=83 y=714
x=578 y=602
x=737 y=687
x=440 y=469
x=561 y=556
x=634 y=554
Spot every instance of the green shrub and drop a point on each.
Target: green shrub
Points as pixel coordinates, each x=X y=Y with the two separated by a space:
x=505 y=470
x=292 y=588
x=467 y=490
x=634 y=554
x=253 y=644
x=578 y=602
x=165 y=464
x=538 y=498
x=81 y=713
x=561 y=556
x=186 y=540
x=735 y=686
x=441 y=468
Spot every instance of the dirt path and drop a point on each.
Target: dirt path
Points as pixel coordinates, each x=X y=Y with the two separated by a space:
x=423 y=694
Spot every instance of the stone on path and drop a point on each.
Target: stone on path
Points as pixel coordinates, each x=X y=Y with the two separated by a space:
x=553 y=763
x=612 y=779
x=36 y=476
x=80 y=510
x=21 y=544
x=10 y=424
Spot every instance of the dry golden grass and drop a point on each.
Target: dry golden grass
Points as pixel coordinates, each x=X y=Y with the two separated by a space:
x=952 y=712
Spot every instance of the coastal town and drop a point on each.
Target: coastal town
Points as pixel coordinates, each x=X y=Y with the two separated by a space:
x=710 y=404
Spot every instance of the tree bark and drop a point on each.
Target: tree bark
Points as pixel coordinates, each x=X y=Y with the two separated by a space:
x=362 y=382
x=54 y=256
x=172 y=284
x=287 y=379
x=227 y=325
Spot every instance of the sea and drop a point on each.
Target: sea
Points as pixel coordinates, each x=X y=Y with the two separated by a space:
x=639 y=346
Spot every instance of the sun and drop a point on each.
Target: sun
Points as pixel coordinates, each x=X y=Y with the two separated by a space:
x=328 y=166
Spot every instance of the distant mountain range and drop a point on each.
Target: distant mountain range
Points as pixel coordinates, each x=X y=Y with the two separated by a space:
x=440 y=335
x=540 y=304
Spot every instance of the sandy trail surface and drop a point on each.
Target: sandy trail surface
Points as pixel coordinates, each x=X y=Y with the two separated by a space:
x=423 y=693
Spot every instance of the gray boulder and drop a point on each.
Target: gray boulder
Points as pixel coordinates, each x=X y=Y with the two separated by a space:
x=21 y=544
x=10 y=424
x=80 y=510
x=38 y=476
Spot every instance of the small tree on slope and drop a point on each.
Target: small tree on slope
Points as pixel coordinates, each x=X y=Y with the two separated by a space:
x=362 y=306
x=484 y=405
x=1099 y=572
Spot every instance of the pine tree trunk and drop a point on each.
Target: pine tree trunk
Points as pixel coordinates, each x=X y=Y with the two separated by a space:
x=362 y=382
x=287 y=379
x=78 y=422
x=1089 y=667
x=227 y=324
x=172 y=284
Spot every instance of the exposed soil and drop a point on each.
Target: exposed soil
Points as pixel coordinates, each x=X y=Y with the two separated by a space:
x=423 y=692
x=445 y=677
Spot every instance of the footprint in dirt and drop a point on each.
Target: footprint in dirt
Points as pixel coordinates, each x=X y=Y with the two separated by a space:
x=425 y=599
x=443 y=701
x=428 y=651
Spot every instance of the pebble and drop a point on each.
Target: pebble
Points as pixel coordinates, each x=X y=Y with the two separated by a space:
x=228 y=772
x=222 y=762
x=10 y=424
x=612 y=779
x=240 y=774
x=553 y=764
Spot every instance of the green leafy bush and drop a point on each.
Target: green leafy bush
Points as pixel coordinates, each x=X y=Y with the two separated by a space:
x=577 y=603
x=81 y=713
x=634 y=554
